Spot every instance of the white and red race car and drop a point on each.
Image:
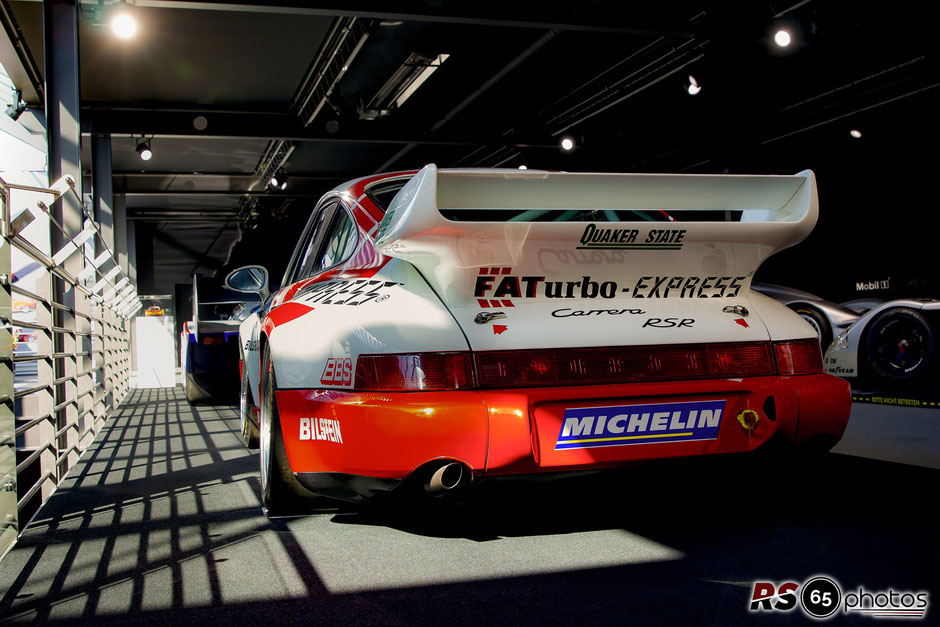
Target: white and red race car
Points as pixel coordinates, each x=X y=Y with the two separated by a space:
x=444 y=326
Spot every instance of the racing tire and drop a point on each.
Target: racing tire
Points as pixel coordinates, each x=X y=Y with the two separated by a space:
x=281 y=494
x=818 y=321
x=899 y=345
x=246 y=423
x=195 y=393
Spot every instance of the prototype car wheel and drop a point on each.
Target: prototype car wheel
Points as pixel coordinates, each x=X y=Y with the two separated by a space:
x=818 y=321
x=280 y=492
x=899 y=344
x=249 y=430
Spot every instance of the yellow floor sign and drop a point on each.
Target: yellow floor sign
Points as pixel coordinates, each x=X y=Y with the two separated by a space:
x=893 y=400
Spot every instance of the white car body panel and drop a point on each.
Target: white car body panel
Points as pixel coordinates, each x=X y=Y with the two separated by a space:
x=249 y=332
x=399 y=320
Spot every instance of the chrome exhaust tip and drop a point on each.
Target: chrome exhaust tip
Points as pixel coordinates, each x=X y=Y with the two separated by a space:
x=447 y=477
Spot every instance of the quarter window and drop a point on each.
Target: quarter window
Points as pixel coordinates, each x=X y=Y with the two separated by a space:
x=313 y=245
x=341 y=242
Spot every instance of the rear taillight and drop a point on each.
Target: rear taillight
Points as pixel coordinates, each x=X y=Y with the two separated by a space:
x=418 y=371
x=623 y=365
x=799 y=357
x=751 y=359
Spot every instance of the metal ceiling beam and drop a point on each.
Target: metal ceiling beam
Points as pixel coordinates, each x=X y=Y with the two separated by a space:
x=125 y=122
x=17 y=59
x=234 y=176
x=217 y=193
x=535 y=15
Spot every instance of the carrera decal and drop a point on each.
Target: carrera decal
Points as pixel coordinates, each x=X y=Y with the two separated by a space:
x=589 y=427
x=495 y=287
x=574 y=313
x=323 y=429
x=345 y=292
x=595 y=237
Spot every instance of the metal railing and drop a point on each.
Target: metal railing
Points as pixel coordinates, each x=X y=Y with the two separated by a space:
x=64 y=347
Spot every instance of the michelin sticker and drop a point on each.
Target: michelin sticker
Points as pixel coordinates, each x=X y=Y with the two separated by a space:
x=588 y=427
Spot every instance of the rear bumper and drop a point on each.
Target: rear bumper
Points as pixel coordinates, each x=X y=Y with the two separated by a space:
x=357 y=443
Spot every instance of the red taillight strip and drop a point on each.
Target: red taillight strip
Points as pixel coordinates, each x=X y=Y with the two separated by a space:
x=414 y=372
x=585 y=366
x=592 y=366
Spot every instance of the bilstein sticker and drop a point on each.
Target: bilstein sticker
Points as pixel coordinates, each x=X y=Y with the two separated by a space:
x=623 y=425
x=324 y=429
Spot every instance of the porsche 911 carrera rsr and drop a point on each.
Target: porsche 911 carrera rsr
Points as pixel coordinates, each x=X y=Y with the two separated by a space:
x=445 y=326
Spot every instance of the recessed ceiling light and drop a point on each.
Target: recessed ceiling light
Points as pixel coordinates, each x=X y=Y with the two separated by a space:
x=782 y=38
x=567 y=144
x=693 y=88
x=857 y=134
x=523 y=167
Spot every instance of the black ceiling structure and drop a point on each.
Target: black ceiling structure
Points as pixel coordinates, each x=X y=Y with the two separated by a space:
x=232 y=92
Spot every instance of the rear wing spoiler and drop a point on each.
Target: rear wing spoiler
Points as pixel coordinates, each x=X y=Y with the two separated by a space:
x=775 y=211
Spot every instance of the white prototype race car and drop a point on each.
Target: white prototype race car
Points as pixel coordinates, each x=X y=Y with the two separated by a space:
x=441 y=327
x=891 y=343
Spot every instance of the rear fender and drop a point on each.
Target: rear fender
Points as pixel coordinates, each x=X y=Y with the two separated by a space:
x=318 y=335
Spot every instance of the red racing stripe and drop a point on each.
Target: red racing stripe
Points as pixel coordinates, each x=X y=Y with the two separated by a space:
x=284 y=313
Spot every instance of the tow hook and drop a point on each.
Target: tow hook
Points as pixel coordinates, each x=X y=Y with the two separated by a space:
x=748 y=419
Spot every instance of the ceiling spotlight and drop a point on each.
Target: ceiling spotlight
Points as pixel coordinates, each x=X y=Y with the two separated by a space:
x=567 y=144
x=523 y=167
x=857 y=134
x=123 y=23
x=693 y=87
x=16 y=108
x=278 y=181
x=143 y=149
x=782 y=38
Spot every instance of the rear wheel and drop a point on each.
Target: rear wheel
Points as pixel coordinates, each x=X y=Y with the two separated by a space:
x=249 y=430
x=900 y=345
x=280 y=492
x=818 y=321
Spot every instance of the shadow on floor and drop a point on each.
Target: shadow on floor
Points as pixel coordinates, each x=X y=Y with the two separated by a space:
x=161 y=522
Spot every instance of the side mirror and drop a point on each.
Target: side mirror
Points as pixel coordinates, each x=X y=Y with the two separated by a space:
x=248 y=279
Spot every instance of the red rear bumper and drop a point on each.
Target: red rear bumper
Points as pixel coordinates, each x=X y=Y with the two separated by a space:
x=504 y=432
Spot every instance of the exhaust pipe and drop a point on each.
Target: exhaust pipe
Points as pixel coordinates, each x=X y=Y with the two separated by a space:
x=446 y=477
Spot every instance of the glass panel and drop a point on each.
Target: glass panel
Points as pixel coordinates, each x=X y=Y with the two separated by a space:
x=342 y=242
x=314 y=241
